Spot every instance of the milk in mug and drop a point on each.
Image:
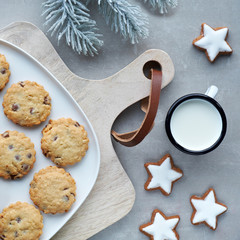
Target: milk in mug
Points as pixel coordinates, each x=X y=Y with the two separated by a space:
x=196 y=124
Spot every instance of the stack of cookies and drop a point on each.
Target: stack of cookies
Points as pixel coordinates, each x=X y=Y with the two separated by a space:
x=64 y=141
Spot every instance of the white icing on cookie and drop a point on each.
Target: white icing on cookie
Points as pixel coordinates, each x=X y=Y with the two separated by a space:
x=213 y=41
x=163 y=176
x=207 y=210
x=161 y=228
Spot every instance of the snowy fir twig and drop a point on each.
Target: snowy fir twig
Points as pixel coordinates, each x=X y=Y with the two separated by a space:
x=124 y=18
x=70 y=19
x=162 y=5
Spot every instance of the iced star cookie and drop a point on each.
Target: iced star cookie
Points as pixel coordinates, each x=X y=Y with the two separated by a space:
x=162 y=175
x=20 y=221
x=161 y=227
x=27 y=103
x=65 y=141
x=213 y=42
x=17 y=155
x=4 y=72
x=206 y=209
x=53 y=190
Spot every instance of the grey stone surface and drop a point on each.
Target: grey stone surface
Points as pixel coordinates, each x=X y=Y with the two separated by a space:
x=172 y=33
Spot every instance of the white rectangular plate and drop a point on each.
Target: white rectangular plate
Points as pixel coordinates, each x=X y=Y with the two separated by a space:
x=24 y=67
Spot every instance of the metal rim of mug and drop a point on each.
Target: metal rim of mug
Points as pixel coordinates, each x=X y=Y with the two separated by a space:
x=196 y=96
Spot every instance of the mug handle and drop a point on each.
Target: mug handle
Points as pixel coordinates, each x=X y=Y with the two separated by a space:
x=212 y=91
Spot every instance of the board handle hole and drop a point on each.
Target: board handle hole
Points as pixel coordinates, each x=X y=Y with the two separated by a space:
x=149 y=65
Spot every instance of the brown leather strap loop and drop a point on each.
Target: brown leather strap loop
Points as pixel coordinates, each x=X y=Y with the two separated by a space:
x=131 y=139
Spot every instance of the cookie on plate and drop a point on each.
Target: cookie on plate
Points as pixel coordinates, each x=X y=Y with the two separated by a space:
x=161 y=227
x=4 y=72
x=206 y=209
x=65 y=141
x=53 y=190
x=162 y=175
x=27 y=103
x=17 y=155
x=21 y=221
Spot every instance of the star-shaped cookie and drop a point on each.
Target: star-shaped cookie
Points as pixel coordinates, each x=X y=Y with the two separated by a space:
x=206 y=209
x=162 y=175
x=161 y=227
x=213 y=41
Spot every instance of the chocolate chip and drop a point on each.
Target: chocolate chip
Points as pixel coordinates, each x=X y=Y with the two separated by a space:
x=31 y=110
x=46 y=153
x=55 y=138
x=15 y=107
x=29 y=155
x=46 y=101
x=18 y=157
x=77 y=124
x=73 y=194
x=66 y=188
x=2 y=237
x=16 y=234
x=5 y=134
x=22 y=84
x=66 y=198
x=25 y=167
x=10 y=147
x=3 y=70
x=13 y=176
x=18 y=219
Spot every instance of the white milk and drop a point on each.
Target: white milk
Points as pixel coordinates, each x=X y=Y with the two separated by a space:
x=196 y=124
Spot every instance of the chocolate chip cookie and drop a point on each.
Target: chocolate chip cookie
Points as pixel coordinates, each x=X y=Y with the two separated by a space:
x=53 y=190
x=65 y=141
x=17 y=155
x=27 y=103
x=20 y=221
x=4 y=72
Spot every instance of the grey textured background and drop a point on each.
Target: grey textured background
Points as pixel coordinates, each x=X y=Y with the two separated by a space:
x=172 y=33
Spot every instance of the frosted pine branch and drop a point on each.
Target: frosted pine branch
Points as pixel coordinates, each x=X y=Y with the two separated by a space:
x=162 y=5
x=124 y=18
x=70 y=19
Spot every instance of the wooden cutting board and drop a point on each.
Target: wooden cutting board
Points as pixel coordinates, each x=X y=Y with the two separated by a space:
x=102 y=101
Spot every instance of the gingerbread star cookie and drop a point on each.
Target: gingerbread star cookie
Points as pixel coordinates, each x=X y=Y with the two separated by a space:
x=206 y=209
x=162 y=175
x=161 y=227
x=213 y=42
